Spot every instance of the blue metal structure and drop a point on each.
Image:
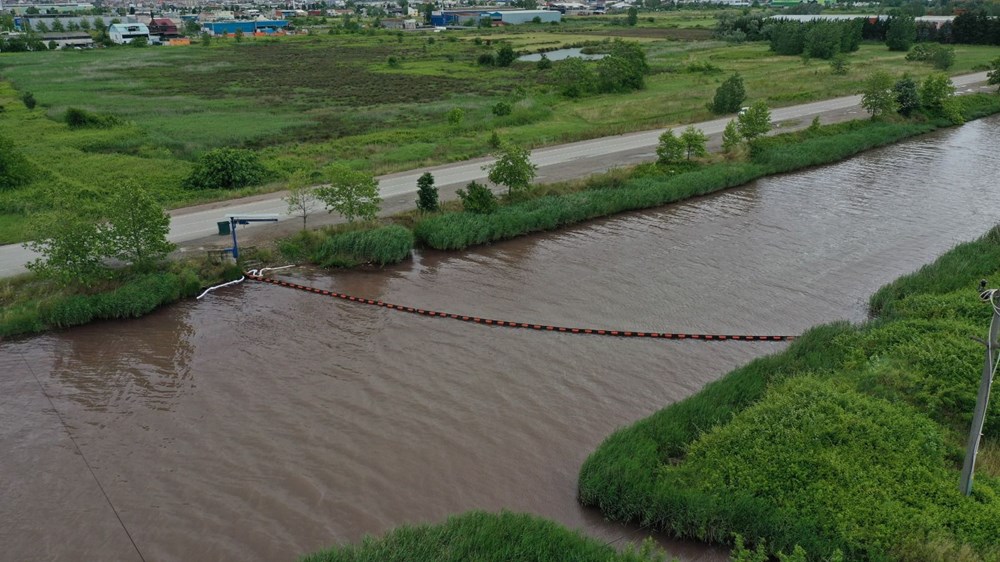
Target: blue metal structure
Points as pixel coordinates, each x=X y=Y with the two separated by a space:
x=235 y=220
x=247 y=27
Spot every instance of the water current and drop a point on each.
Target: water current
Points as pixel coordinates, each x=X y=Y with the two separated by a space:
x=262 y=422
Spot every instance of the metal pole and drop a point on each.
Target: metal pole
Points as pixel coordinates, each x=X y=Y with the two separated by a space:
x=983 y=398
x=232 y=229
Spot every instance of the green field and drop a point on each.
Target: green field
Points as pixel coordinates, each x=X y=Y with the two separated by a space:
x=376 y=102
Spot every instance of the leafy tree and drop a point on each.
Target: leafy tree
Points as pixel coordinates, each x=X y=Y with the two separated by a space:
x=513 y=168
x=505 y=55
x=15 y=170
x=301 y=198
x=428 y=12
x=670 y=149
x=937 y=96
x=226 y=168
x=58 y=26
x=901 y=34
x=477 y=198
x=878 y=97
x=41 y=27
x=840 y=64
x=694 y=142
x=624 y=69
x=729 y=96
x=755 y=122
x=943 y=58
x=993 y=76
x=455 y=116
x=575 y=77
x=351 y=193
x=85 y=24
x=71 y=250
x=494 y=140
x=427 y=194
x=633 y=16
x=544 y=63
x=907 y=98
x=29 y=100
x=137 y=227
x=731 y=137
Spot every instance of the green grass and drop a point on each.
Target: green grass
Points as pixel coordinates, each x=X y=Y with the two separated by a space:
x=483 y=537
x=304 y=102
x=350 y=245
x=850 y=439
x=772 y=155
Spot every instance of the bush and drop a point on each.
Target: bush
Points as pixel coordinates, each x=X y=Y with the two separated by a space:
x=478 y=199
x=29 y=100
x=82 y=119
x=505 y=55
x=226 y=168
x=486 y=59
x=15 y=170
x=543 y=63
x=502 y=108
x=379 y=246
x=729 y=96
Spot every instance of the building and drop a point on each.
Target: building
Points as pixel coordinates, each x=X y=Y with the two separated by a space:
x=165 y=28
x=399 y=23
x=68 y=39
x=124 y=33
x=444 y=18
x=518 y=17
x=255 y=27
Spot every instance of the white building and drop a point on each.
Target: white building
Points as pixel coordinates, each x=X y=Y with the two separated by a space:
x=123 y=33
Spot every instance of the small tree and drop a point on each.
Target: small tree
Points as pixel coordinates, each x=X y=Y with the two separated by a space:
x=226 y=168
x=901 y=33
x=427 y=194
x=993 y=76
x=29 y=100
x=477 y=198
x=633 y=16
x=70 y=248
x=755 y=122
x=943 y=58
x=137 y=227
x=878 y=97
x=206 y=38
x=575 y=77
x=15 y=170
x=238 y=35
x=455 y=116
x=907 y=98
x=544 y=63
x=505 y=55
x=301 y=198
x=937 y=95
x=694 y=142
x=840 y=65
x=351 y=193
x=729 y=96
x=502 y=108
x=513 y=168
x=670 y=149
x=731 y=138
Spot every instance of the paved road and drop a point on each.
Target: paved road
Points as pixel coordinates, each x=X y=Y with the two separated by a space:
x=195 y=227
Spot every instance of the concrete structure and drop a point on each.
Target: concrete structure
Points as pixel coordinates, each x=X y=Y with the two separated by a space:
x=124 y=33
x=247 y=27
x=68 y=39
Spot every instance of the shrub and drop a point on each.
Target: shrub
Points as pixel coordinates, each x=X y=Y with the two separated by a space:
x=840 y=64
x=29 y=100
x=81 y=119
x=478 y=199
x=15 y=170
x=729 y=96
x=907 y=98
x=226 y=168
x=505 y=55
x=502 y=108
x=486 y=59
x=544 y=63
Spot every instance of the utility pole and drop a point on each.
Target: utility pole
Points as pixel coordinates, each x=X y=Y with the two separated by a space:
x=983 y=399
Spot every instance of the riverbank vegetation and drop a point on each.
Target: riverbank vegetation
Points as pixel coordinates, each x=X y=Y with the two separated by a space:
x=850 y=440
x=159 y=116
x=485 y=537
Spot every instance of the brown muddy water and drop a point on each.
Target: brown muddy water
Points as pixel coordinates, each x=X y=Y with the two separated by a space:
x=262 y=423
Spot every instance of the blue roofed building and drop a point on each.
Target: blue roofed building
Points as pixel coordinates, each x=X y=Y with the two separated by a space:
x=247 y=27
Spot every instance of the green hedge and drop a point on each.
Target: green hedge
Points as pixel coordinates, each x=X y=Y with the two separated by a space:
x=381 y=246
x=482 y=537
x=849 y=440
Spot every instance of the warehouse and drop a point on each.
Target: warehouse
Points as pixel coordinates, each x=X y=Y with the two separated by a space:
x=247 y=27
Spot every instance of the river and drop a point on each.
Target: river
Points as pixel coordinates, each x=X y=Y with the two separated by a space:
x=262 y=422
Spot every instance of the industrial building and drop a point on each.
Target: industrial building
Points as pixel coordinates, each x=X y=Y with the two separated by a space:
x=124 y=33
x=444 y=18
x=247 y=27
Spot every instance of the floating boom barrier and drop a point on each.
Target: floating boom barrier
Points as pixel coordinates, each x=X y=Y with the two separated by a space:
x=255 y=275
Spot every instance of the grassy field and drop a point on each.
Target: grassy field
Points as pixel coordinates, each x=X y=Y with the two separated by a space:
x=851 y=440
x=376 y=102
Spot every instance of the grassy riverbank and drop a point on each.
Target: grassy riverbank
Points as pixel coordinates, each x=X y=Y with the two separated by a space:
x=852 y=439
x=29 y=304
x=483 y=537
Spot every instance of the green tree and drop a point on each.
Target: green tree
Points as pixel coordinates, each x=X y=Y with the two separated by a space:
x=71 y=250
x=351 y=193
x=731 y=138
x=58 y=26
x=878 y=97
x=512 y=168
x=901 y=33
x=729 y=96
x=137 y=227
x=574 y=77
x=937 y=95
x=624 y=69
x=670 y=148
x=427 y=194
x=239 y=35
x=543 y=62
x=29 y=100
x=943 y=58
x=840 y=64
x=993 y=76
x=226 y=168
x=85 y=24
x=477 y=198
x=141 y=41
x=502 y=108
x=428 y=12
x=206 y=38
x=15 y=170
x=907 y=98
x=755 y=122
x=633 y=16
x=301 y=198
x=505 y=55
x=694 y=142
x=455 y=116
x=41 y=27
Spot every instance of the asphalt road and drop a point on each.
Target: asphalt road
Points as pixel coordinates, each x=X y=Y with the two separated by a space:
x=195 y=229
